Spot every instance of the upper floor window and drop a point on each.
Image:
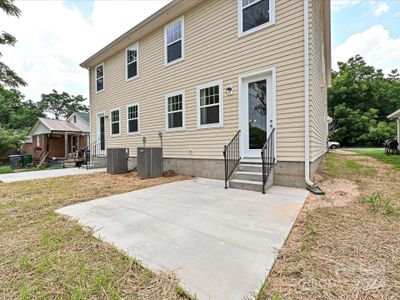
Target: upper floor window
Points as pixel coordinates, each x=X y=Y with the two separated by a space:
x=174 y=47
x=115 y=122
x=133 y=118
x=100 y=78
x=175 y=109
x=255 y=15
x=74 y=119
x=209 y=105
x=132 y=60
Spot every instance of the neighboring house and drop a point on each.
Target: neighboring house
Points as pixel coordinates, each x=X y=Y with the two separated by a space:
x=198 y=71
x=396 y=116
x=59 y=138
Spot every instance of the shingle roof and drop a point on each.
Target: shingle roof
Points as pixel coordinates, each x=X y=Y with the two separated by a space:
x=83 y=115
x=59 y=125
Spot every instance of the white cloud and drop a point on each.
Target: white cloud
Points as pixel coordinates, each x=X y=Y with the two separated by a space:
x=375 y=45
x=379 y=8
x=340 y=4
x=53 y=39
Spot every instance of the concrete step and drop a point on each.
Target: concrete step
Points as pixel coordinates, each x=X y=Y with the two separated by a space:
x=245 y=175
x=251 y=160
x=250 y=167
x=246 y=185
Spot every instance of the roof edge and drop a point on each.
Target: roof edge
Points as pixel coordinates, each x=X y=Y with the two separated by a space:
x=396 y=114
x=142 y=24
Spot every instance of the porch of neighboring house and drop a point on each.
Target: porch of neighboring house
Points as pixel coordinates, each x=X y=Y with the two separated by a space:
x=58 y=142
x=60 y=145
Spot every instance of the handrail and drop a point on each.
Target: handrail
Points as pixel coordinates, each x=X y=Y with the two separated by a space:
x=93 y=150
x=268 y=158
x=42 y=158
x=231 y=156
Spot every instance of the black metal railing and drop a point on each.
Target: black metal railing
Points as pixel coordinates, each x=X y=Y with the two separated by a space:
x=231 y=156
x=268 y=158
x=94 y=149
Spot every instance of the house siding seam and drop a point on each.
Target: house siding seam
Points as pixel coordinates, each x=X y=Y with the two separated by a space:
x=212 y=52
x=318 y=87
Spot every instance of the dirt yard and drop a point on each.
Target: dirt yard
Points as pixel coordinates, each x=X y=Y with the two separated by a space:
x=45 y=256
x=346 y=244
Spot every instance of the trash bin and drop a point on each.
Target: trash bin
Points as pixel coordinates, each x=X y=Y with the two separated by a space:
x=15 y=161
x=26 y=159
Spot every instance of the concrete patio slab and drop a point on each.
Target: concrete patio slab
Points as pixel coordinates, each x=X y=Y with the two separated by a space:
x=12 y=177
x=221 y=243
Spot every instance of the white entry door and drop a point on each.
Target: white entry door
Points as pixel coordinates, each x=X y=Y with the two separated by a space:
x=256 y=114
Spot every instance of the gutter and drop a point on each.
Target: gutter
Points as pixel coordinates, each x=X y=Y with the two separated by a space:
x=306 y=101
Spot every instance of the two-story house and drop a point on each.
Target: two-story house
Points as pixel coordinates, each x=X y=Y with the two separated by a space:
x=198 y=73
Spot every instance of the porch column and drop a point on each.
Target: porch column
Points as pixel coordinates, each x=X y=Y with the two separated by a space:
x=65 y=145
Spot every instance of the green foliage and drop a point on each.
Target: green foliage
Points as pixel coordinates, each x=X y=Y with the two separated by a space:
x=360 y=99
x=10 y=138
x=7 y=76
x=61 y=105
x=15 y=113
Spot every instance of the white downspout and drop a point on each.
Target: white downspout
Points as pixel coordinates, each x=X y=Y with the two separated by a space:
x=306 y=100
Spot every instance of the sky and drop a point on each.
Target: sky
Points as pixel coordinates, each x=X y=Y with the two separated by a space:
x=55 y=36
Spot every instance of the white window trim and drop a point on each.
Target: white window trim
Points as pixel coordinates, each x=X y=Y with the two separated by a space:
x=166 y=63
x=95 y=76
x=221 y=104
x=265 y=25
x=37 y=141
x=119 y=123
x=137 y=61
x=127 y=119
x=182 y=92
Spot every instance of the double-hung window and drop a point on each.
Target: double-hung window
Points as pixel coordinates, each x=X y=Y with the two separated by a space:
x=115 y=122
x=132 y=61
x=133 y=119
x=100 y=78
x=255 y=15
x=174 y=41
x=175 y=111
x=210 y=105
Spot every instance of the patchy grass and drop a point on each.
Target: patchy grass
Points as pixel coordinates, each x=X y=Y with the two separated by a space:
x=380 y=155
x=378 y=203
x=43 y=255
x=5 y=169
x=344 y=245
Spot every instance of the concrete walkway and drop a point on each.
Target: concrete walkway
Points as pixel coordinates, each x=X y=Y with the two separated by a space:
x=12 y=177
x=221 y=243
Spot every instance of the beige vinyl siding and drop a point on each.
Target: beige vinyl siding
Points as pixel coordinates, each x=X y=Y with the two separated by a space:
x=213 y=52
x=318 y=88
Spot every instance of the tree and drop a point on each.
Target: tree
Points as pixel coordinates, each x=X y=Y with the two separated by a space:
x=15 y=113
x=10 y=139
x=7 y=76
x=359 y=100
x=61 y=105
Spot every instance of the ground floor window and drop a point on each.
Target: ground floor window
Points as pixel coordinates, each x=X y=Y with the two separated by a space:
x=115 y=122
x=209 y=102
x=133 y=118
x=175 y=110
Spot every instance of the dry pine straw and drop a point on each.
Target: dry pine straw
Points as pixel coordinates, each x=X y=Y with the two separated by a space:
x=43 y=255
x=340 y=249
